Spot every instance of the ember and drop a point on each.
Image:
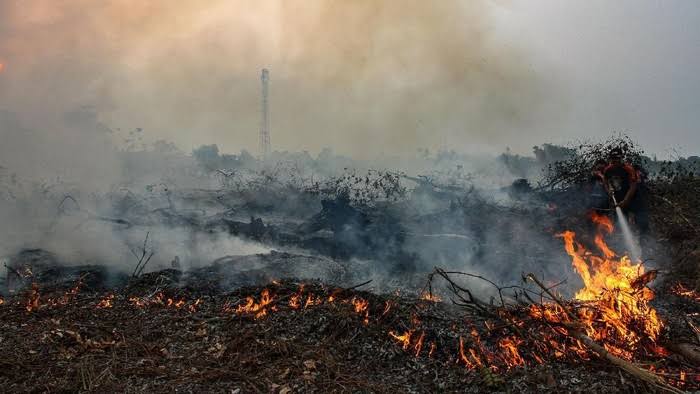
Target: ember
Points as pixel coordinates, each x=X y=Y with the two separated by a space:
x=681 y=291
x=33 y=298
x=428 y=296
x=106 y=302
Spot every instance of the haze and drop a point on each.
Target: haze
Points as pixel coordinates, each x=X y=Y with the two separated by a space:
x=364 y=77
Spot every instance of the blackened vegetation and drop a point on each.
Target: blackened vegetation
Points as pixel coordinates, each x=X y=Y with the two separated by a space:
x=344 y=227
x=157 y=336
x=676 y=219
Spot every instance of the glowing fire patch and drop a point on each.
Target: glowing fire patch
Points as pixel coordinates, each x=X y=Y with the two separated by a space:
x=107 y=302
x=615 y=291
x=257 y=309
x=683 y=291
x=428 y=296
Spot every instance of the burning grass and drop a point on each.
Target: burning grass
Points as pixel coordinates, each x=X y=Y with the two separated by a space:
x=288 y=337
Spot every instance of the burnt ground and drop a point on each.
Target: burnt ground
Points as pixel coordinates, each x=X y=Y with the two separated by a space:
x=149 y=338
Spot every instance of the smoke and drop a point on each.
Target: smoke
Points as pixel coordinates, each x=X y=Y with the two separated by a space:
x=365 y=77
x=399 y=74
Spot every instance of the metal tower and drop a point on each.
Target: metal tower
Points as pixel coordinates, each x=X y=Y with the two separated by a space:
x=265 y=120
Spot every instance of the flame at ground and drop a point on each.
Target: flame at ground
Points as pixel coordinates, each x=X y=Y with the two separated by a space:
x=615 y=292
x=429 y=296
x=106 y=302
x=257 y=309
x=362 y=308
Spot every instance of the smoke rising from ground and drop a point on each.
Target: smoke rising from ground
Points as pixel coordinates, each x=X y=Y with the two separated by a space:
x=363 y=77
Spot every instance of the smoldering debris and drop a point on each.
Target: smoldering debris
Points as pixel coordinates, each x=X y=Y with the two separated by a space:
x=235 y=241
x=303 y=335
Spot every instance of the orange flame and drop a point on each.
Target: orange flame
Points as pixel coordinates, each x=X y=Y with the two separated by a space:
x=429 y=296
x=258 y=310
x=432 y=349
x=387 y=307
x=472 y=363
x=683 y=291
x=310 y=301
x=419 y=344
x=295 y=301
x=615 y=289
x=404 y=339
x=193 y=307
x=604 y=225
x=361 y=307
x=106 y=302
x=511 y=354
x=33 y=298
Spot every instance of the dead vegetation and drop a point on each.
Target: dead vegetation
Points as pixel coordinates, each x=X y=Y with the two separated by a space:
x=212 y=327
x=160 y=334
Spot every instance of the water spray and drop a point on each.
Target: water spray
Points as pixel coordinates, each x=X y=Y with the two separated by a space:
x=630 y=242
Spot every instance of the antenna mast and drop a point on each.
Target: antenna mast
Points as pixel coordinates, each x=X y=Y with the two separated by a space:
x=265 y=120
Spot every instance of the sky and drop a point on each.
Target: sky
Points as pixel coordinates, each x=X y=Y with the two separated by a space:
x=365 y=78
x=624 y=65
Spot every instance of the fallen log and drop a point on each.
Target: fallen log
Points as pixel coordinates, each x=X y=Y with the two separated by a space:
x=628 y=367
x=689 y=351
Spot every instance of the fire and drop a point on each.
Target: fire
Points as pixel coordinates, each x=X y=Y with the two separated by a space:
x=419 y=344
x=69 y=295
x=257 y=309
x=106 y=302
x=142 y=302
x=404 y=339
x=361 y=307
x=511 y=355
x=176 y=304
x=2 y=67
x=614 y=292
x=432 y=349
x=683 y=291
x=158 y=299
x=295 y=301
x=407 y=337
x=605 y=225
x=310 y=301
x=471 y=360
x=193 y=307
x=387 y=307
x=33 y=298
x=360 y=304
x=298 y=300
x=137 y=302
x=429 y=296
